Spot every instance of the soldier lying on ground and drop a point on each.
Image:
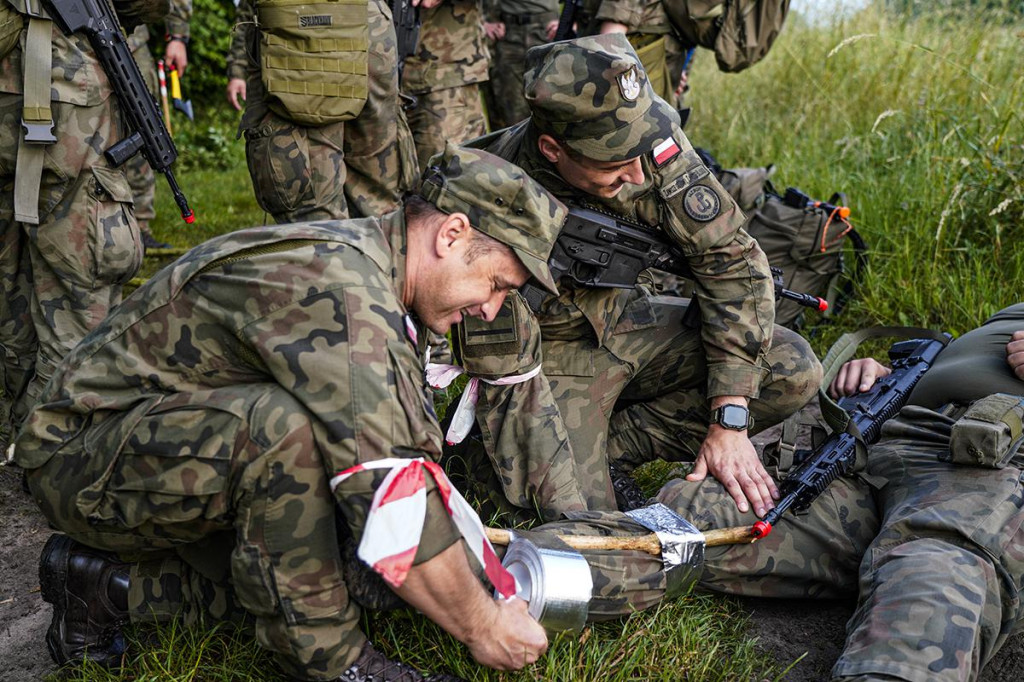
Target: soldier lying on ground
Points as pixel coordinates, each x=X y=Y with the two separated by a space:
x=935 y=554
x=196 y=433
x=622 y=380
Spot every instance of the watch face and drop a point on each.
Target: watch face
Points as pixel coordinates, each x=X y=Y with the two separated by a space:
x=733 y=417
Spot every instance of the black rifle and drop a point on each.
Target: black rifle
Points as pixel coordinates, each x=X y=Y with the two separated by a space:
x=567 y=19
x=868 y=411
x=149 y=135
x=406 y=17
x=596 y=249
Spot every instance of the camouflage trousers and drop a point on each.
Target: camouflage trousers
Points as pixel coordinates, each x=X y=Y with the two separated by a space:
x=506 y=104
x=61 y=277
x=454 y=114
x=352 y=169
x=941 y=584
x=220 y=499
x=641 y=396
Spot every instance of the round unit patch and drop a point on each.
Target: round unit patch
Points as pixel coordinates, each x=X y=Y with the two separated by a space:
x=701 y=203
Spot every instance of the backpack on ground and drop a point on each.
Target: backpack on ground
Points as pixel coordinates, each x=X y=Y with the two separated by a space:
x=804 y=237
x=739 y=31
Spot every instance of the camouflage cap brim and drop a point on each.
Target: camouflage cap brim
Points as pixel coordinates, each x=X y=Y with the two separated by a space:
x=538 y=269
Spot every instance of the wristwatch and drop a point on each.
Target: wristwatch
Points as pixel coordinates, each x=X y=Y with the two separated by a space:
x=735 y=417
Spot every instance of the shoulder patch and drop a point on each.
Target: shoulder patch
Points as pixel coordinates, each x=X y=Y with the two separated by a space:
x=665 y=151
x=701 y=203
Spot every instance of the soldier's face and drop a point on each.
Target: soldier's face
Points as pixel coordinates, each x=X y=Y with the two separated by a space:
x=602 y=179
x=462 y=284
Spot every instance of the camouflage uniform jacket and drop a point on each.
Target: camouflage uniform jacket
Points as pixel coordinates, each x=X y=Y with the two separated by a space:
x=733 y=282
x=311 y=307
x=238 y=59
x=451 y=51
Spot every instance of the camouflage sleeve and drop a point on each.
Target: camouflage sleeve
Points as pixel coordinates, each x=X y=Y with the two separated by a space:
x=177 y=22
x=237 y=54
x=345 y=356
x=523 y=431
x=451 y=51
x=628 y=12
x=733 y=282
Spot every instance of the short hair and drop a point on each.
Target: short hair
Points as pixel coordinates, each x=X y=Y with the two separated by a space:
x=418 y=209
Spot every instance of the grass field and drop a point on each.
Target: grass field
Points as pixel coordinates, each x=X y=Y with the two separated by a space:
x=919 y=123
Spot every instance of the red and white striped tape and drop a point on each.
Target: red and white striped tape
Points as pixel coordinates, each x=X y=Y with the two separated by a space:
x=395 y=522
x=440 y=376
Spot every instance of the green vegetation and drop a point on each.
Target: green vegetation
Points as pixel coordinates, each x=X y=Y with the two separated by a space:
x=919 y=123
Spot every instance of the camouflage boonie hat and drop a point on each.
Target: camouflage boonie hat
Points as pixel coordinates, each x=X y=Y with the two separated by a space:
x=501 y=200
x=593 y=94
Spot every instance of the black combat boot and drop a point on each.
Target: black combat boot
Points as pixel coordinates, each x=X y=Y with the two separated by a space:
x=373 y=666
x=628 y=495
x=89 y=593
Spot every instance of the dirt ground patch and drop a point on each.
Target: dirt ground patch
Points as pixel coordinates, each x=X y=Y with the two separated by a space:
x=786 y=629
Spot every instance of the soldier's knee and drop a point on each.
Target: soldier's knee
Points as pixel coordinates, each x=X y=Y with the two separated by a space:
x=795 y=371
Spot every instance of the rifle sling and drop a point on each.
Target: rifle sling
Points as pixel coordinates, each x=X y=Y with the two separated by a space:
x=37 y=117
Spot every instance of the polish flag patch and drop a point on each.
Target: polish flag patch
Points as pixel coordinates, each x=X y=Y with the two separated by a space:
x=665 y=151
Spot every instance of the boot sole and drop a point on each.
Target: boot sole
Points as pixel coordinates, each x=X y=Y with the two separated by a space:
x=53 y=573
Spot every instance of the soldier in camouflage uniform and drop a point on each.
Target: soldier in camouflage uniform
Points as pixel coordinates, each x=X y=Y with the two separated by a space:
x=67 y=251
x=197 y=430
x=936 y=554
x=442 y=77
x=355 y=167
x=140 y=176
x=621 y=380
x=514 y=27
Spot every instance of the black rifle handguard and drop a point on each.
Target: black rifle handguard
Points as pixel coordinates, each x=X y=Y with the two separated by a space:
x=868 y=411
x=97 y=21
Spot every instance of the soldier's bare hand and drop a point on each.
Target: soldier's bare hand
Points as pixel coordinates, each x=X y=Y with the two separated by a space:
x=857 y=376
x=494 y=30
x=551 y=29
x=1015 y=354
x=236 y=91
x=426 y=4
x=730 y=457
x=176 y=55
x=511 y=640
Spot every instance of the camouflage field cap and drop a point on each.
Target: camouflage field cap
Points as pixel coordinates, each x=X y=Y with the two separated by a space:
x=501 y=201
x=593 y=94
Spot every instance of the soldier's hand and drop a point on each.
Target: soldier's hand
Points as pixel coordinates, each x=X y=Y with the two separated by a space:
x=426 y=4
x=494 y=30
x=236 y=90
x=730 y=457
x=1015 y=354
x=176 y=55
x=511 y=640
x=857 y=376
x=551 y=29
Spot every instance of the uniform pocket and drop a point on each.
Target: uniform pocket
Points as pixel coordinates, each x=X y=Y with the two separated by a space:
x=278 y=158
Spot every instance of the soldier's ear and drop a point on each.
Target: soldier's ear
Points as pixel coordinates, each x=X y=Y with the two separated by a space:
x=549 y=148
x=453 y=235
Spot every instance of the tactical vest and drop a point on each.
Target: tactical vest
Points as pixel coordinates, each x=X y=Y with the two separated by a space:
x=314 y=58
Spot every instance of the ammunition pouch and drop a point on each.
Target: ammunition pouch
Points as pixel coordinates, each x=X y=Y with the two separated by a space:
x=314 y=59
x=989 y=433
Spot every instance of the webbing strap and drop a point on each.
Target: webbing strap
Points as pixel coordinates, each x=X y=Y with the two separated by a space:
x=320 y=44
x=317 y=64
x=37 y=117
x=321 y=89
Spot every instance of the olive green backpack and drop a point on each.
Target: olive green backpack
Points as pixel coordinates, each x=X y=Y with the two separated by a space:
x=804 y=237
x=739 y=31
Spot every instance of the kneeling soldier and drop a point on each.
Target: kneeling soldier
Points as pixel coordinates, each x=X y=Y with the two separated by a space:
x=190 y=448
